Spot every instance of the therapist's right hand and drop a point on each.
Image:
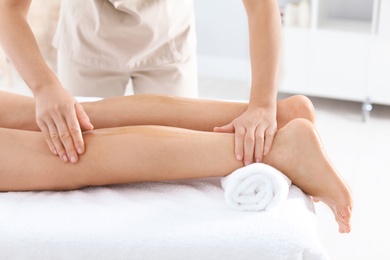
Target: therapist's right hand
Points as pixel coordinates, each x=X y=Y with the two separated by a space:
x=61 y=118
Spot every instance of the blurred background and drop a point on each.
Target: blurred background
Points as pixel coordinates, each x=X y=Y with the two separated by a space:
x=337 y=52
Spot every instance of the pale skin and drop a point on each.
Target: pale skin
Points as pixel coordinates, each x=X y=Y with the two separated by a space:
x=154 y=138
x=57 y=113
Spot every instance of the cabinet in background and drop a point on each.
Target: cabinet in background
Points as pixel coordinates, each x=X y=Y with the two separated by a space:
x=344 y=53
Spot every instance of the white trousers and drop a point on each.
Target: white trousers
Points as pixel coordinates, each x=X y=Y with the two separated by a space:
x=112 y=47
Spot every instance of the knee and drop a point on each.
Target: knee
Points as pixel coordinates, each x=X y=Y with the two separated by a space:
x=303 y=106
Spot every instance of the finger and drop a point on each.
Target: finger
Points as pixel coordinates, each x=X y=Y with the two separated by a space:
x=46 y=133
x=84 y=121
x=249 y=145
x=68 y=129
x=229 y=128
x=259 y=146
x=269 y=138
x=56 y=140
x=239 y=143
x=75 y=129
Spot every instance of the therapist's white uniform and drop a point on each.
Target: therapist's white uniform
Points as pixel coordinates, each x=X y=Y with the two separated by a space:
x=105 y=45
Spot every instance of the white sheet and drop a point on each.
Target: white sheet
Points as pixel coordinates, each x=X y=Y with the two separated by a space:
x=161 y=220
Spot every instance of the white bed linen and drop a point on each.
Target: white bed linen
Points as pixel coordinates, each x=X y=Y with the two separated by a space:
x=158 y=220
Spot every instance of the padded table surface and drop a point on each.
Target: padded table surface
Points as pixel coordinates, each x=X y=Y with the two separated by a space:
x=157 y=220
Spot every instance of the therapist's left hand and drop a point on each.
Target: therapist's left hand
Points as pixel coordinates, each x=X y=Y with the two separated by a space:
x=254 y=133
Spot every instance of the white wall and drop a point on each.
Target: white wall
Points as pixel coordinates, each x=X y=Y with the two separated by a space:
x=223 y=44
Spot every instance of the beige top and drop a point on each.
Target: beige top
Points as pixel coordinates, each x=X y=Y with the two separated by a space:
x=126 y=34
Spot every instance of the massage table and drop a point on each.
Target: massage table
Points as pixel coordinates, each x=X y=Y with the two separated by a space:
x=156 y=220
x=186 y=219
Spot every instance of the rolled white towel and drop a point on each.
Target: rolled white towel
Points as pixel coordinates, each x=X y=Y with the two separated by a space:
x=255 y=187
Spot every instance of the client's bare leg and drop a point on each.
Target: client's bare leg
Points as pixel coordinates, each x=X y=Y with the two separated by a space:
x=187 y=113
x=18 y=111
x=298 y=153
x=153 y=153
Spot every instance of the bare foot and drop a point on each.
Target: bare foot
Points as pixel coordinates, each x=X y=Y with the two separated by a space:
x=298 y=153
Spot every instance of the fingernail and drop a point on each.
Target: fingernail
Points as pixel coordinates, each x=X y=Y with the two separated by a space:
x=65 y=158
x=265 y=152
x=247 y=163
x=79 y=150
x=73 y=159
x=239 y=157
x=55 y=151
x=257 y=160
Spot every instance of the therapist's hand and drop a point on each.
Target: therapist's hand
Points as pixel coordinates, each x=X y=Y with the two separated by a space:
x=61 y=118
x=254 y=133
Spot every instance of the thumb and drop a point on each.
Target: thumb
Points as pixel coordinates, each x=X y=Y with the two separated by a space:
x=229 y=128
x=83 y=118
